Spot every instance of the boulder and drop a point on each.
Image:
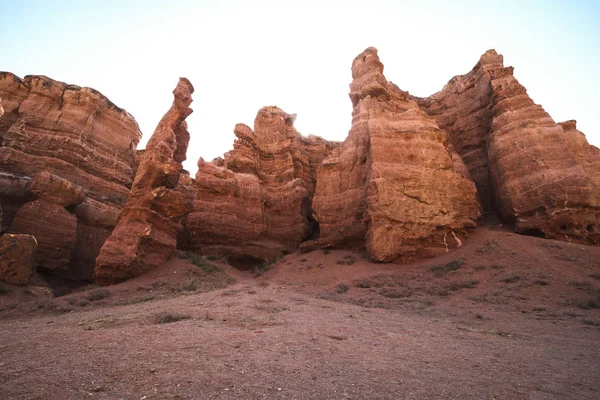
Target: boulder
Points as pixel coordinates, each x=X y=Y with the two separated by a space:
x=54 y=229
x=392 y=185
x=17 y=258
x=148 y=227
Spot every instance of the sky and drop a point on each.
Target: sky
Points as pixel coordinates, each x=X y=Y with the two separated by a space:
x=243 y=55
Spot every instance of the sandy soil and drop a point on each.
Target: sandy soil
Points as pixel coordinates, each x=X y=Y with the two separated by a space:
x=503 y=317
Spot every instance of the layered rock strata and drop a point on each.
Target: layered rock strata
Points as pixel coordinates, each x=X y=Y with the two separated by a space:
x=69 y=146
x=256 y=203
x=148 y=227
x=392 y=185
x=541 y=176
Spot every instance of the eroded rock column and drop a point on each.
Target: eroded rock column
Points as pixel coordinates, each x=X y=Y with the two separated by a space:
x=146 y=233
x=392 y=185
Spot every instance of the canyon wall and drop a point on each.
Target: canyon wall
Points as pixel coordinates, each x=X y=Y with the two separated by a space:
x=66 y=165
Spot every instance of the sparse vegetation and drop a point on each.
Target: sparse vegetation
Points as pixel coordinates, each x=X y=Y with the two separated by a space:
x=362 y=283
x=98 y=294
x=396 y=293
x=581 y=285
x=167 y=318
x=511 y=278
x=271 y=309
x=540 y=282
x=325 y=251
x=264 y=267
x=342 y=288
x=443 y=269
x=137 y=301
x=590 y=322
x=346 y=260
x=490 y=245
x=587 y=303
x=447 y=287
x=201 y=262
x=303 y=259
x=211 y=282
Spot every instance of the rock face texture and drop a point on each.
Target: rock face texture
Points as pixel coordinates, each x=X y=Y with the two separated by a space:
x=392 y=185
x=256 y=202
x=541 y=176
x=54 y=229
x=17 y=258
x=148 y=227
x=69 y=146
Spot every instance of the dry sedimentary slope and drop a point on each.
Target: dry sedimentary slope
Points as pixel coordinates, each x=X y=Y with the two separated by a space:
x=393 y=183
x=542 y=176
x=72 y=151
x=256 y=202
x=146 y=234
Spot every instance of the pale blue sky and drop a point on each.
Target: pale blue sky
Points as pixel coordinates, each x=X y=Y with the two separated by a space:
x=242 y=55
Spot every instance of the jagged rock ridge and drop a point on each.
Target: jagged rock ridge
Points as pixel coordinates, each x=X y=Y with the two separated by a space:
x=257 y=202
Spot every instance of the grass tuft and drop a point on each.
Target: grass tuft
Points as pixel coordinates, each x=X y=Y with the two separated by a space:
x=98 y=294
x=342 y=288
x=443 y=269
x=167 y=318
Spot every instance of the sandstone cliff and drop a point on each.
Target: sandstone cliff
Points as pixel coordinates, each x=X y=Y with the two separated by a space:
x=256 y=202
x=146 y=234
x=393 y=184
x=72 y=150
x=541 y=176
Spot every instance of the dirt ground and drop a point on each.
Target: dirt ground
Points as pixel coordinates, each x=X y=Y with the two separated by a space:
x=503 y=317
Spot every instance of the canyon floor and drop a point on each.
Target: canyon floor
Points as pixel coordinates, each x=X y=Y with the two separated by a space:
x=503 y=317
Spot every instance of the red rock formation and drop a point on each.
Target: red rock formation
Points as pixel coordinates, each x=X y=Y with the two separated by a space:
x=55 y=189
x=17 y=258
x=540 y=176
x=146 y=233
x=75 y=143
x=392 y=184
x=54 y=229
x=256 y=202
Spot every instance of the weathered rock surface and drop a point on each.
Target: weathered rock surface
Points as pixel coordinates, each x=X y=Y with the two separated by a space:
x=541 y=176
x=55 y=189
x=256 y=202
x=392 y=185
x=68 y=145
x=148 y=227
x=55 y=230
x=17 y=258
